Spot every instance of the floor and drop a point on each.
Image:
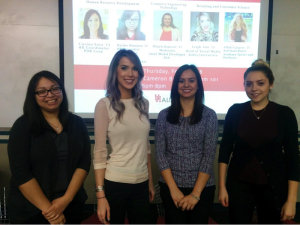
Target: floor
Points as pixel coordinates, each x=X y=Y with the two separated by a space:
x=219 y=215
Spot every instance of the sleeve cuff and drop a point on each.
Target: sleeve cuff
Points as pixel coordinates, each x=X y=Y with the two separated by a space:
x=206 y=169
x=165 y=167
x=85 y=167
x=99 y=166
x=24 y=179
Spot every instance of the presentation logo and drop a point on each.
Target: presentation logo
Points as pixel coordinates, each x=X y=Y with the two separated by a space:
x=158 y=98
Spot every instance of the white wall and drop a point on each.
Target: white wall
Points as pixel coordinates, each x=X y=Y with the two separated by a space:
x=286 y=64
x=29 y=43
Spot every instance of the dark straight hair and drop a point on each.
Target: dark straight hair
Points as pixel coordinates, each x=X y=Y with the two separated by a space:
x=87 y=29
x=162 y=20
x=175 y=108
x=32 y=110
x=122 y=29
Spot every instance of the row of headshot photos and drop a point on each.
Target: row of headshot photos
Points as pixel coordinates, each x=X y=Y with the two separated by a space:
x=167 y=25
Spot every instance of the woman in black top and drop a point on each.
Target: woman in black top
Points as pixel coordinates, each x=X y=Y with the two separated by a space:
x=238 y=29
x=261 y=137
x=49 y=156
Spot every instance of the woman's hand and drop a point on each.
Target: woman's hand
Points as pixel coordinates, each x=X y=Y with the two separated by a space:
x=57 y=208
x=243 y=38
x=288 y=210
x=188 y=202
x=223 y=196
x=60 y=220
x=151 y=191
x=103 y=210
x=176 y=195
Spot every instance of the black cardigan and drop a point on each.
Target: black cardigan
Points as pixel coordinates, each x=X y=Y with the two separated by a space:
x=279 y=158
x=33 y=156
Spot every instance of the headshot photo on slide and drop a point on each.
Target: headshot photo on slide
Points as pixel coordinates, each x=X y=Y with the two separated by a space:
x=167 y=25
x=93 y=24
x=130 y=25
x=238 y=27
x=204 y=26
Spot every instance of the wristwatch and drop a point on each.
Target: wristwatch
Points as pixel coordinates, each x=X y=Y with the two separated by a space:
x=99 y=188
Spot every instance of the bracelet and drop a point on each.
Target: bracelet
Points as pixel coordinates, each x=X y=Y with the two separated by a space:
x=101 y=197
x=195 y=197
x=99 y=188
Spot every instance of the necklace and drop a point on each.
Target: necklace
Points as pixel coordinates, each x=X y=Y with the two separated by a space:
x=56 y=127
x=258 y=117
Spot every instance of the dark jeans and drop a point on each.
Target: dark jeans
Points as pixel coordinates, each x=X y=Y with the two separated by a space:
x=130 y=198
x=73 y=214
x=244 y=197
x=200 y=213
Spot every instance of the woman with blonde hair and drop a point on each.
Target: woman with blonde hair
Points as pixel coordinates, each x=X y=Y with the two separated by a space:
x=205 y=29
x=237 y=29
x=124 y=181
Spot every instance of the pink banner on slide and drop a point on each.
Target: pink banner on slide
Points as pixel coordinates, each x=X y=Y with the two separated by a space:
x=90 y=77
x=246 y=1
x=160 y=78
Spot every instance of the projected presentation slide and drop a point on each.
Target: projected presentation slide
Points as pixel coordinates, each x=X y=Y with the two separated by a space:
x=219 y=37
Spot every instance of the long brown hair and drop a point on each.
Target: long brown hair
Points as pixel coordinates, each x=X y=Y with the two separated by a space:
x=112 y=90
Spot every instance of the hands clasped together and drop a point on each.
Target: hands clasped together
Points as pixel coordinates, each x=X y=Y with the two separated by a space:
x=55 y=213
x=187 y=202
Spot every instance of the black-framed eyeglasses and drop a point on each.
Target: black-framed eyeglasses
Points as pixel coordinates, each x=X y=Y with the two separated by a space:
x=132 y=20
x=44 y=93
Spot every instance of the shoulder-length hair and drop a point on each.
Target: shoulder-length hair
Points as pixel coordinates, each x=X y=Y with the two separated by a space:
x=233 y=24
x=33 y=111
x=162 y=20
x=122 y=29
x=86 y=29
x=175 y=109
x=112 y=89
x=211 y=27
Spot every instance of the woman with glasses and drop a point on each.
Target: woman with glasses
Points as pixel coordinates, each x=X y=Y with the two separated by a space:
x=49 y=156
x=130 y=26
